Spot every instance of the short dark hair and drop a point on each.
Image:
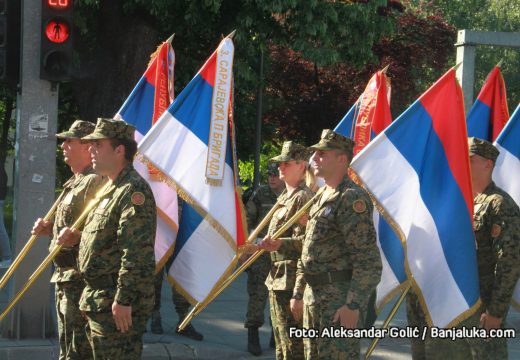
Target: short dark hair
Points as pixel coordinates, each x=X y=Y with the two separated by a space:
x=130 y=146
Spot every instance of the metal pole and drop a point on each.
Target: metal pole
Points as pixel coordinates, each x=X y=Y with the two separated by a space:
x=35 y=176
x=258 y=138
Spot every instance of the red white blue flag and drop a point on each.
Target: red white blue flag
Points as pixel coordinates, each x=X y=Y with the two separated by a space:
x=426 y=197
x=192 y=146
x=507 y=169
x=146 y=103
x=489 y=113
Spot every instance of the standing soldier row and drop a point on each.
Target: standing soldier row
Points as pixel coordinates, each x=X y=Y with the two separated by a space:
x=339 y=265
x=104 y=273
x=77 y=192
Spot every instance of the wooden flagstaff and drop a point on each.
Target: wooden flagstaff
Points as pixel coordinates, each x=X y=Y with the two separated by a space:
x=28 y=245
x=81 y=219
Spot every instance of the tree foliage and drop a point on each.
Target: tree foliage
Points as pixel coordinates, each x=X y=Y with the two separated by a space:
x=484 y=15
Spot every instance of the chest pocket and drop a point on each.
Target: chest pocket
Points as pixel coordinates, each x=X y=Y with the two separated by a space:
x=65 y=209
x=323 y=221
x=98 y=221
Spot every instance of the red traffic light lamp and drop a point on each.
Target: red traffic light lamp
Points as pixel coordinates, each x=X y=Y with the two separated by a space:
x=56 y=40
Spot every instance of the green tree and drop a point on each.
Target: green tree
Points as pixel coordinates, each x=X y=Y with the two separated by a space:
x=484 y=15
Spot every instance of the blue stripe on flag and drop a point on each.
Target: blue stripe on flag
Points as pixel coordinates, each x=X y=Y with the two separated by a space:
x=431 y=165
x=392 y=248
x=509 y=137
x=344 y=127
x=194 y=112
x=478 y=121
x=189 y=222
x=138 y=109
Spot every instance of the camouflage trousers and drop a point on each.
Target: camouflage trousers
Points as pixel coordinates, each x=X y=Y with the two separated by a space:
x=257 y=291
x=108 y=343
x=71 y=324
x=318 y=315
x=282 y=320
x=182 y=306
x=442 y=349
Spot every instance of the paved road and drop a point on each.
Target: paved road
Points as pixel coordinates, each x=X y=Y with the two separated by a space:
x=224 y=333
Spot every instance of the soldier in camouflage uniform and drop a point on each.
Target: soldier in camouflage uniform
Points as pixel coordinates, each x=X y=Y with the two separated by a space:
x=281 y=279
x=496 y=222
x=340 y=264
x=257 y=207
x=497 y=230
x=116 y=255
x=77 y=192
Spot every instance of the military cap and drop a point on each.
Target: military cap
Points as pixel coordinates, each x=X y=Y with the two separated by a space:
x=111 y=129
x=272 y=169
x=483 y=148
x=77 y=130
x=291 y=151
x=331 y=140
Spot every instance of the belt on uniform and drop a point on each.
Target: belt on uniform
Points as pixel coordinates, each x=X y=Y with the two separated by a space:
x=328 y=277
x=276 y=256
x=102 y=282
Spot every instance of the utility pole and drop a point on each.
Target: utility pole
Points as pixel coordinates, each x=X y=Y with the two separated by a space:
x=34 y=183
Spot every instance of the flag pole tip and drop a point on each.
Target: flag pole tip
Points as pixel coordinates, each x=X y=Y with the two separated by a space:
x=456 y=67
x=385 y=69
x=499 y=65
x=170 y=39
x=232 y=34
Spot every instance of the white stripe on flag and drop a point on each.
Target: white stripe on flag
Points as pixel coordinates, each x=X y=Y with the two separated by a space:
x=389 y=281
x=186 y=162
x=210 y=252
x=400 y=196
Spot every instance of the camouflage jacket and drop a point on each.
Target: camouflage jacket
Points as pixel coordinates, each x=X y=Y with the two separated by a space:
x=262 y=200
x=116 y=255
x=283 y=270
x=340 y=236
x=77 y=192
x=497 y=231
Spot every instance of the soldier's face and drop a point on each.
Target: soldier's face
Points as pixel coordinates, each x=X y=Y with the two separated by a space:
x=481 y=168
x=291 y=171
x=103 y=156
x=74 y=151
x=328 y=162
x=274 y=182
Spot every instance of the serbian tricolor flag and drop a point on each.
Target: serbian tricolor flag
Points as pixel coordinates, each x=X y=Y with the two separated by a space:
x=507 y=169
x=369 y=116
x=489 y=113
x=417 y=170
x=192 y=146
x=147 y=102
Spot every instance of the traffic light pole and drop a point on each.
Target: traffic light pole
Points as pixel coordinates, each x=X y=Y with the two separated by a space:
x=35 y=174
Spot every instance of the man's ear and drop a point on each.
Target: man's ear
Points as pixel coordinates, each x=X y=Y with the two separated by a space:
x=120 y=150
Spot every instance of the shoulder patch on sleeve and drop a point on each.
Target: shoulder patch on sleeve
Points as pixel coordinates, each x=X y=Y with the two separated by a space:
x=137 y=198
x=496 y=230
x=359 y=206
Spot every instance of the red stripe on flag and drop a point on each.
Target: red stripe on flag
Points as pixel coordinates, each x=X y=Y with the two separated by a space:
x=445 y=104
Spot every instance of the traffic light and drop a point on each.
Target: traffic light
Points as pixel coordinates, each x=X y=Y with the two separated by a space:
x=56 y=44
x=10 y=19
